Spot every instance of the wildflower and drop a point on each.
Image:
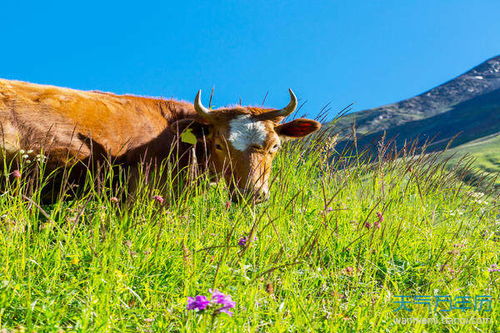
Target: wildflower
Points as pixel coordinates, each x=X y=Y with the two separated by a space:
x=16 y=174
x=244 y=240
x=158 y=198
x=228 y=204
x=348 y=270
x=114 y=199
x=220 y=303
x=329 y=209
x=493 y=268
x=368 y=225
x=75 y=261
x=40 y=157
x=225 y=300
x=149 y=320
x=199 y=303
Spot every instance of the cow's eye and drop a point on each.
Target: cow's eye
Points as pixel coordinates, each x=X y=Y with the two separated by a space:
x=255 y=146
x=218 y=146
x=275 y=148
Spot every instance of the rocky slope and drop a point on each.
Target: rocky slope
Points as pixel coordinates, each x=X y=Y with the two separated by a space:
x=468 y=104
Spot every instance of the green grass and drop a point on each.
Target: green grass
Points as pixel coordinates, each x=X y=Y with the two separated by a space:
x=93 y=265
x=485 y=152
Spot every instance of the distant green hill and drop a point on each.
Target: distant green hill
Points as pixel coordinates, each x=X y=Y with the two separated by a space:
x=485 y=151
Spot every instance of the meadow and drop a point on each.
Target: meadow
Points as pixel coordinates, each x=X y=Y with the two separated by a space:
x=341 y=241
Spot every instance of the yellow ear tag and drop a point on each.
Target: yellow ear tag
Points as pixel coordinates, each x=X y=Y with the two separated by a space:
x=188 y=137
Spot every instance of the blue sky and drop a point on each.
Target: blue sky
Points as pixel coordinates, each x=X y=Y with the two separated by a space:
x=367 y=52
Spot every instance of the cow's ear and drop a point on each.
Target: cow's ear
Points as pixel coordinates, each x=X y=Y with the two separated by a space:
x=190 y=130
x=297 y=128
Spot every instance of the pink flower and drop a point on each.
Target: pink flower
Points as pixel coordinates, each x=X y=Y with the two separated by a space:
x=380 y=217
x=368 y=225
x=16 y=174
x=348 y=270
x=158 y=198
x=114 y=199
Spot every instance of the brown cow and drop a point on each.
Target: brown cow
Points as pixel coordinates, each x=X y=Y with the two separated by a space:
x=237 y=143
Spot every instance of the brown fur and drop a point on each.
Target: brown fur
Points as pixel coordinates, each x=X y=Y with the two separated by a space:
x=70 y=125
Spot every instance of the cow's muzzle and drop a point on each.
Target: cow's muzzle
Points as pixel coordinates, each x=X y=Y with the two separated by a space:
x=251 y=195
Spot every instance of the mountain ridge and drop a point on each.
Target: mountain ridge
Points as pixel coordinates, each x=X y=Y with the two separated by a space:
x=481 y=79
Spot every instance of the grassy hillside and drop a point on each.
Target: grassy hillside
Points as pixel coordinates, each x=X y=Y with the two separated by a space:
x=485 y=153
x=331 y=251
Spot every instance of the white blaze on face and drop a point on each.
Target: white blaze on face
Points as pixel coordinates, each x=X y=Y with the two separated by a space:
x=243 y=132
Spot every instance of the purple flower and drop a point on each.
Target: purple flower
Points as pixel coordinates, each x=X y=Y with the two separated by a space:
x=243 y=241
x=219 y=303
x=199 y=303
x=494 y=268
x=368 y=225
x=225 y=300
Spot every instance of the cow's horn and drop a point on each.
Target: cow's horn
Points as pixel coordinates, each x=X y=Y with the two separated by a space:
x=287 y=110
x=200 y=109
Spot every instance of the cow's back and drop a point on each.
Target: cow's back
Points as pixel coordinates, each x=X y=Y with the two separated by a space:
x=65 y=123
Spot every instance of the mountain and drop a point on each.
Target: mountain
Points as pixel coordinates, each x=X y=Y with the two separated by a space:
x=468 y=105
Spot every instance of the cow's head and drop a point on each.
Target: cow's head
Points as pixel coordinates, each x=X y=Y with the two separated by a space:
x=243 y=141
